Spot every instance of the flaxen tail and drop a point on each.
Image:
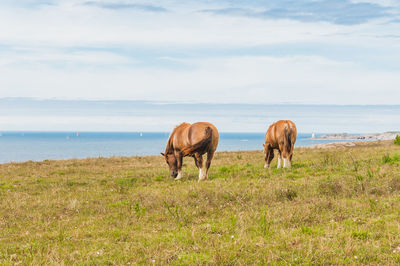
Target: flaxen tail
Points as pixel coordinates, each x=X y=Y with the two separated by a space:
x=201 y=146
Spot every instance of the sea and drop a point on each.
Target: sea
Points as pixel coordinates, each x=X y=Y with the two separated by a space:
x=53 y=129
x=38 y=146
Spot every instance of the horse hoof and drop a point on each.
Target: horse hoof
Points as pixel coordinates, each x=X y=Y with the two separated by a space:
x=178 y=177
x=203 y=178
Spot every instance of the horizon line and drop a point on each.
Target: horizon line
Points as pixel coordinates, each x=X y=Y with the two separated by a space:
x=158 y=102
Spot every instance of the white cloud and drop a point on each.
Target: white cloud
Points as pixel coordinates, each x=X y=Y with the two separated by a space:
x=69 y=50
x=301 y=79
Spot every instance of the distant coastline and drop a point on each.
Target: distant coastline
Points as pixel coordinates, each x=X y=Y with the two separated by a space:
x=390 y=135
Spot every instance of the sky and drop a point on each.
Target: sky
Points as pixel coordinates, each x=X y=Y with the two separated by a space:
x=227 y=51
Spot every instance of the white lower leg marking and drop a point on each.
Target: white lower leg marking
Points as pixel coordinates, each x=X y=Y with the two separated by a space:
x=279 y=162
x=200 y=173
x=284 y=162
x=266 y=165
x=179 y=176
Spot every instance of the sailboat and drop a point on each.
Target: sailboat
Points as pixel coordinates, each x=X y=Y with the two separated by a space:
x=313 y=135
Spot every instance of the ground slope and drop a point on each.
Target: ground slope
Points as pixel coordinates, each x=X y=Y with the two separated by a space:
x=338 y=205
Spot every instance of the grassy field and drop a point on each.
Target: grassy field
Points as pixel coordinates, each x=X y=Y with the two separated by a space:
x=334 y=206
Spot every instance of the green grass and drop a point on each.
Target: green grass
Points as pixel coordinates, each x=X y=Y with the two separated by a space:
x=397 y=140
x=335 y=206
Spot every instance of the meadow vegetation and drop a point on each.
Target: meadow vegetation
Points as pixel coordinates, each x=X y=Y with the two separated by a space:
x=397 y=140
x=334 y=206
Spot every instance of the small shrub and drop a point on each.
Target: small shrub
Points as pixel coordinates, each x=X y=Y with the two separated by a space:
x=286 y=193
x=224 y=170
x=397 y=140
x=74 y=183
x=127 y=181
x=370 y=173
x=306 y=230
x=362 y=235
x=394 y=184
x=330 y=187
x=5 y=186
x=330 y=159
x=387 y=159
x=159 y=178
x=139 y=210
x=176 y=214
x=265 y=223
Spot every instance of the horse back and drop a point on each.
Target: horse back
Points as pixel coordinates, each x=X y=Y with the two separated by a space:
x=199 y=137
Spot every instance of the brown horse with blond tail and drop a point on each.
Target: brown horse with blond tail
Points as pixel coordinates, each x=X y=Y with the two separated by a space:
x=191 y=140
x=281 y=135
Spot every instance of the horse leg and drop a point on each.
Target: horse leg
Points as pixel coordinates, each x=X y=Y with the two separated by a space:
x=179 y=159
x=196 y=162
x=269 y=156
x=210 y=155
x=199 y=163
x=289 y=161
x=279 y=159
x=286 y=158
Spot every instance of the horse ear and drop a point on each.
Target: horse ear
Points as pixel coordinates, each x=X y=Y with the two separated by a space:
x=263 y=145
x=162 y=154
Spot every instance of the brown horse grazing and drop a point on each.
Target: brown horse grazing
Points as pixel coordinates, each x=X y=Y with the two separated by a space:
x=191 y=140
x=281 y=135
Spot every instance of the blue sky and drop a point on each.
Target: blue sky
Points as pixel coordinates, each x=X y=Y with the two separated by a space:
x=279 y=51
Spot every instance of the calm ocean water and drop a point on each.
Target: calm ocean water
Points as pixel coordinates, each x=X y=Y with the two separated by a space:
x=38 y=146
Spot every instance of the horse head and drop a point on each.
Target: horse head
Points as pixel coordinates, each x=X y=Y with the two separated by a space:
x=172 y=163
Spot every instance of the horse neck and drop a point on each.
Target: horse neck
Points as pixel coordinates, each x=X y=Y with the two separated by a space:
x=170 y=149
x=177 y=130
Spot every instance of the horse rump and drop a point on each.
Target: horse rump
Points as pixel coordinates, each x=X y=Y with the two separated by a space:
x=288 y=138
x=202 y=146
